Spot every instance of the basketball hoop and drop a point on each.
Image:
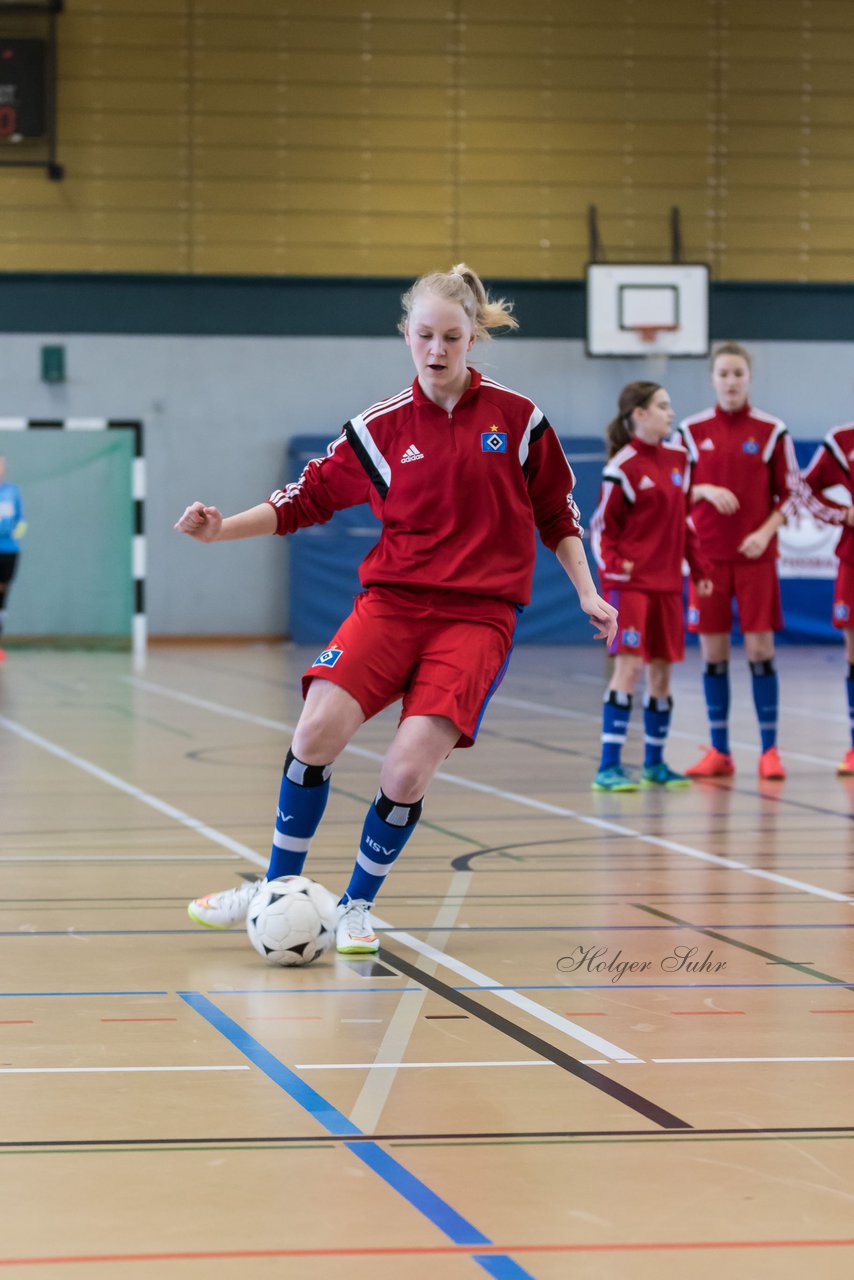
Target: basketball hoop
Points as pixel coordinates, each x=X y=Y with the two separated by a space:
x=649 y=332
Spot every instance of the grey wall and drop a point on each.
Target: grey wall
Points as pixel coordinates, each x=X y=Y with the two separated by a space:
x=218 y=412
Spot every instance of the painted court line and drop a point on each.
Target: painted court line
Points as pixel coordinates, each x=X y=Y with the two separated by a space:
x=513 y=797
x=479 y=1253
x=481 y=980
x=59 y=1071
x=544 y=709
x=396 y=1176
x=136 y=793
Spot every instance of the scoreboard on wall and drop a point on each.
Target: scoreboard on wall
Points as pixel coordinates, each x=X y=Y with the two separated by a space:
x=22 y=89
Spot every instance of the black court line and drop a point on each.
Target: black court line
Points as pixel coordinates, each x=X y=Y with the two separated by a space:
x=746 y=946
x=484 y=1135
x=627 y=1097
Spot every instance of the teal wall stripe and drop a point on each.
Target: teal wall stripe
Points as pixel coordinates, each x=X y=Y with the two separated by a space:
x=306 y=306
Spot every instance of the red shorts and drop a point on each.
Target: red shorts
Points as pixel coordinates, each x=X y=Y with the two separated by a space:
x=444 y=655
x=843 y=597
x=756 y=588
x=650 y=625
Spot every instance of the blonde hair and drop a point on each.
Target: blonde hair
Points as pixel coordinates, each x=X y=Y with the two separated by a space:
x=731 y=349
x=464 y=286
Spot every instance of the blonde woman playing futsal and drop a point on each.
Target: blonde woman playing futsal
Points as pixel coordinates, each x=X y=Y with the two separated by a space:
x=746 y=483
x=463 y=473
x=641 y=535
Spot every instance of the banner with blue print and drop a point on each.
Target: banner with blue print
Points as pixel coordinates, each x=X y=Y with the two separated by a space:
x=324 y=563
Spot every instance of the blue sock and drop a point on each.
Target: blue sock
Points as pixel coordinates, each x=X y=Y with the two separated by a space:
x=302 y=799
x=656 y=724
x=387 y=828
x=616 y=713
x=765 y=699
x=849 y=686
x=716 y=689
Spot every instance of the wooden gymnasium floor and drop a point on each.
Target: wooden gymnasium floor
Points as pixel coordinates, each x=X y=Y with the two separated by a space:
x=469 y=1103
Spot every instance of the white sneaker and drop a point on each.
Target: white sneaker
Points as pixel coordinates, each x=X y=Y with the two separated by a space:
x=355 y=935
x=226 y=908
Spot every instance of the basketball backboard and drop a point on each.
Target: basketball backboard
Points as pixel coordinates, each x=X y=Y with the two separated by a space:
x=647 y=309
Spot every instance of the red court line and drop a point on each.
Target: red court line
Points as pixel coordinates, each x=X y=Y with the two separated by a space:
x=429 y=1250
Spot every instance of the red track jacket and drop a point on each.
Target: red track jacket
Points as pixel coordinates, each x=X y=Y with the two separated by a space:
x=459 y=494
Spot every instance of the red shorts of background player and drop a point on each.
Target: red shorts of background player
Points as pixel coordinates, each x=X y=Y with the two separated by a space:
x=756 y=589
x=650 y=625
x=444 y=654
x=843 y=598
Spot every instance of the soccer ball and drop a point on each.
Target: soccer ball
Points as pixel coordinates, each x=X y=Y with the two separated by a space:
x=291 y=921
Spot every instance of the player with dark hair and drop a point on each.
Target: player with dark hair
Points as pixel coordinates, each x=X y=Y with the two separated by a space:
x=641 y=534
x=831 y=467
x=462 y=472
x=746 y=482
x=12 y=529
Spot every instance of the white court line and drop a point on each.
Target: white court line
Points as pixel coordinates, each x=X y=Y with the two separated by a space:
x=544 y=709
x=565 y=1025
x=402 y=1066
x=677 y=1060
x=528 y=802
x=538 y=1011
x=135 y=792
x=50 y=1071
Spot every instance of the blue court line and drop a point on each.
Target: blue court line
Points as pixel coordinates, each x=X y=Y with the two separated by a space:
x=418 y=1194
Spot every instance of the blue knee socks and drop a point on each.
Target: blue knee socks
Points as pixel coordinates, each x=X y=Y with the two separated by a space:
x=656 y=724
x=716 y=689
x=765 y=699
x=616 y=713
x=302 y=800
x=387 y=828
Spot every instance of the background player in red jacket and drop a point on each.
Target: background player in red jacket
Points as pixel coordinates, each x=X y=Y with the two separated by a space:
x=641 y=535
x=463 y=473
x=831 y=467
x=746 y=482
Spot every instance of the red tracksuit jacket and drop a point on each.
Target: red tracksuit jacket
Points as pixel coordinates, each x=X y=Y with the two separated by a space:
x=831 y=465
x=459 y=494
x=643 y=517
x=752 y=454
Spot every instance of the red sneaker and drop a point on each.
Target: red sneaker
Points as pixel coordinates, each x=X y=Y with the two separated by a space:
x=771 y=766
x=714 y=764
x=846 y=769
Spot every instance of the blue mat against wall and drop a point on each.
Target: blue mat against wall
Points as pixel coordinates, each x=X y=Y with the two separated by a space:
x=325 y=559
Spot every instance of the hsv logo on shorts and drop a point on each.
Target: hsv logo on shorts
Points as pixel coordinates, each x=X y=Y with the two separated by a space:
x=751 y=445
x=631 y=638
x=841 y=611
x=328 y=658
x=693 y=615
x=676 y=476
x=493 y=442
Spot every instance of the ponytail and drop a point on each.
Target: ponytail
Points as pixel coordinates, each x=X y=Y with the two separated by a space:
x=464 y=286
x=619 y=431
